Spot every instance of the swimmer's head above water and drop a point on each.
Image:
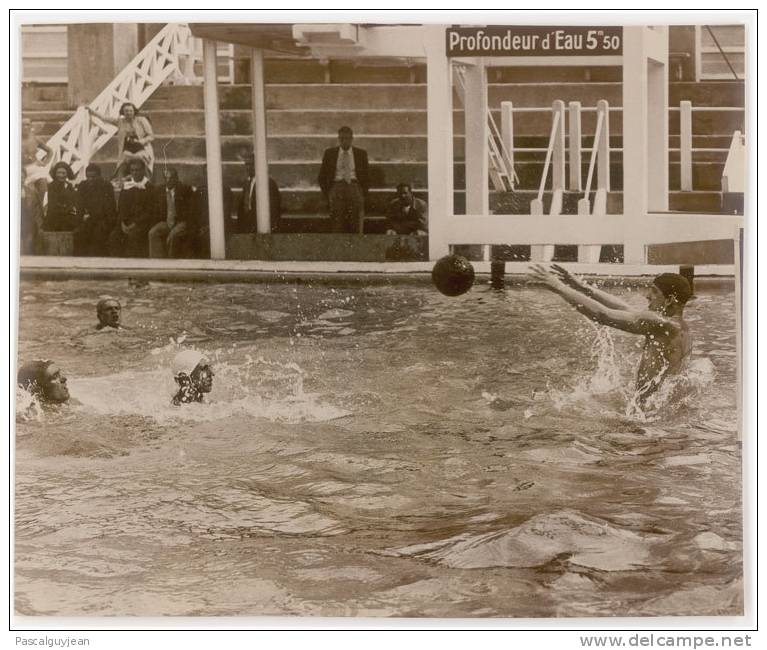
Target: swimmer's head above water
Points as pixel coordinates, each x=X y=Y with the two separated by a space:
x=668 y=293
x=194 y=376
x=108 y=311
x=44 y=380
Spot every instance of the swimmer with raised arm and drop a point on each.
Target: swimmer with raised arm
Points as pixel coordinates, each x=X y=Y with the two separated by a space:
x=194 y=376
x=667 y=336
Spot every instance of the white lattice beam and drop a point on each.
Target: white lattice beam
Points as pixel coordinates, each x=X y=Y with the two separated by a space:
x=80 y=137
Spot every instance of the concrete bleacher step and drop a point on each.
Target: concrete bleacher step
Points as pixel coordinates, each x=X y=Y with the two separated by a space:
x=386 y=174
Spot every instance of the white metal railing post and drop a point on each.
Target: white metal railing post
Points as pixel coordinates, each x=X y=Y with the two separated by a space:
x=685 y=146
x=507 y=132
x=558 y=157
x=600 y=158
x=603 y=155
x=555 y=156
x=439 y=126
x=575 y=146
x=260 y=158
x=213 y=152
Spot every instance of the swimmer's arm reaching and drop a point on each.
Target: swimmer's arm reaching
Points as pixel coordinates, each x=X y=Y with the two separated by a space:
x=635 y=322
x=608 y=300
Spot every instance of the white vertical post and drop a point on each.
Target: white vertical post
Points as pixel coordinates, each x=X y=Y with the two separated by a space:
x=685 y=146
x=575 y=183
x=558 y=154
x=475 y=119
x=475 y=137
x=645 y=133
x=439 y=115
x=263 y=220
x=603 y=155
x=657 y=122
x=213 y=153
x=507 y=135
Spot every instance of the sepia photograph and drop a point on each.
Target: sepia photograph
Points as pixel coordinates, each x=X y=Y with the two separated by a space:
x=385 y=319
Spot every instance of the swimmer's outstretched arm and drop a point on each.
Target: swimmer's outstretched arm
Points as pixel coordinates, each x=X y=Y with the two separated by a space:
x=607 y=299
x=635 y=322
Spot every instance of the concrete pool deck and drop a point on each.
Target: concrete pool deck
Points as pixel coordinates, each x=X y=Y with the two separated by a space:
x=64 y=268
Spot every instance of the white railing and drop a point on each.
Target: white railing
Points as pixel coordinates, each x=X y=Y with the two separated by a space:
x=501 y=168
x=734 y=174
x=170 y=52
x=555 y=158
x=686 y=149
x=600 y=160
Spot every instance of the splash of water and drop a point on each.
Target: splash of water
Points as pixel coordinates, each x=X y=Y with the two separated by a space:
x=610 y=387
x=258 y=388
x=28 y=407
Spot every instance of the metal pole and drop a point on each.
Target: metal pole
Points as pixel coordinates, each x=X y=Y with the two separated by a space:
x=685 y=146
x=213 y=153
x=575 y=146
x=263 y=220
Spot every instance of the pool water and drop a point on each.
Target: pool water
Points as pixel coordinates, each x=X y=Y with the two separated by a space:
x=372 y=451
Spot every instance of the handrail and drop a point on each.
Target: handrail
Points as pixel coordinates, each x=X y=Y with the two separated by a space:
x=733 y=174
x=80 y=137
x=721 y=51
x=549 y=153
x=500 y=167
x=594 y=153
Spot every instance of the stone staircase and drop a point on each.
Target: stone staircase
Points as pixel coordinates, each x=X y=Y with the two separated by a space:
x=386 y=106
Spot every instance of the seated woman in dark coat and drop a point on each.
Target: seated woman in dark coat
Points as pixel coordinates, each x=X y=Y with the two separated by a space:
x=61 y=204
x=97 y=203
x=130 y=238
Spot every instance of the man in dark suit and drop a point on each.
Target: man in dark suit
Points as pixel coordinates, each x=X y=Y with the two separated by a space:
x=247 y=214
x=97 y=200
x=174 y=216
x=344 y=182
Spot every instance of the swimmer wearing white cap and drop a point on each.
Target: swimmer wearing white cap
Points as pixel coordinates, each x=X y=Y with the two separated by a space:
x=194 y=376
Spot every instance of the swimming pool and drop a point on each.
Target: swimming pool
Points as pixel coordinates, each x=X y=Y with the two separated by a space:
x=372 y=451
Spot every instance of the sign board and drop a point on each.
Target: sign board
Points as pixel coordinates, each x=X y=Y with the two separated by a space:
x=528 y=40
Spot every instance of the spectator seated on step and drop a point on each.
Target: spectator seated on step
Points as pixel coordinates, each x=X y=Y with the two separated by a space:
x=344 y=181
x=175 y=218
x=130 y=237
x=61 y=204
x=247 y=208
x=97 y=203
x=406 y=214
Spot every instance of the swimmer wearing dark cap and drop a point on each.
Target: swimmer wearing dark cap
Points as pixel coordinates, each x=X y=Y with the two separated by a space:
x=108 y=311
x=667 y=337
x=44 y=379
x=194 y=376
